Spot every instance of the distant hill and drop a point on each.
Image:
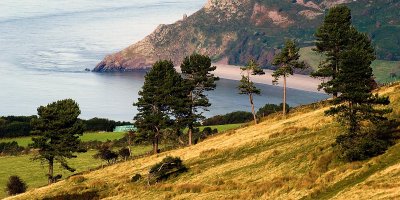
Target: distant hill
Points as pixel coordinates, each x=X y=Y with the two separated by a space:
x=231 y=31
x=277 y=159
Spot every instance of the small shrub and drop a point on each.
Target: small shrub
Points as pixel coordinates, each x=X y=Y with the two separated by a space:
x=105 y=153
x=124 y=153
x=15 y=185
x=136 y=178
x=169 y=166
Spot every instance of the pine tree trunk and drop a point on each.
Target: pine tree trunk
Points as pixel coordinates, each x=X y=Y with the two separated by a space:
x=284 y=95
x=252 y=108
x=50 y=175
x=190 y=131
x=155 y=145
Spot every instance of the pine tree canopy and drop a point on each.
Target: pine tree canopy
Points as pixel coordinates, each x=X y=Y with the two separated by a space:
x=58 y=129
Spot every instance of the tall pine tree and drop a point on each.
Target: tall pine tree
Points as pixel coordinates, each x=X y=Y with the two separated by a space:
x=332 y=37
x=355 y=108
x=196 y=70
x=156 y=101
x=287 y=61
x=58 y=129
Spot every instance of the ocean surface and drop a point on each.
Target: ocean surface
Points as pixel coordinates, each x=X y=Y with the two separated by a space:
x=45 y=46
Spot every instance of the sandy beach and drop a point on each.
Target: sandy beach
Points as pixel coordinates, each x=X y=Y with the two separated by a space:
x=297 y=81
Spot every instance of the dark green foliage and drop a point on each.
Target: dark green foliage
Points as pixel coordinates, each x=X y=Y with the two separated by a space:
x=15 y=126
x=169 y=166
x=136 y=178
x=58 y=129
x=105 y=153
x=156 y=102
x=101 y=124
x=196 y=71
x=332 y=38
x=15 y=185
x=229 y=118
x=354 y=147
x=287 y=61
x=10 y=148
x=268 y=109
x=124 y=153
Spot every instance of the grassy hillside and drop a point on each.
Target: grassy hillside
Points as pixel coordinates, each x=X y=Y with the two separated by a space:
x=278 y=159
x=382 y=68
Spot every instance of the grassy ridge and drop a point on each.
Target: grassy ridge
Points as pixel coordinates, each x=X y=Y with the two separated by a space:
x=279 y=158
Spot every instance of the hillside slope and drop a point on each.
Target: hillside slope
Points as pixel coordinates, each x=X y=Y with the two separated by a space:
x=277 y=159
x=231 y=31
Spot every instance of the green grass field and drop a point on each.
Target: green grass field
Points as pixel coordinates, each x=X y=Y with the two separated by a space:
x=104 y=136
x=100 y=136
x=382 y=68
x=33 y=173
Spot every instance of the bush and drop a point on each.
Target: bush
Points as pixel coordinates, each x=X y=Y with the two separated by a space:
x=230 y=118
x=169 y=166
x=105 y=153
x=124 y=153
x=270 y=109
x=15 y=185
x=136 y=178
x=10 y=148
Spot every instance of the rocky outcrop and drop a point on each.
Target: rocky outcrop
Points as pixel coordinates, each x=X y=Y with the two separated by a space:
x=233 y=31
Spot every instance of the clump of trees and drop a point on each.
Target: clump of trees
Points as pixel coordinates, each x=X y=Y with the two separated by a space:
x=169 y=102
x=169 y=166
x=15 y=185
x=268 y=109
x=15 y=126
x=102 y=124
x=229 y=118
x=58 y=129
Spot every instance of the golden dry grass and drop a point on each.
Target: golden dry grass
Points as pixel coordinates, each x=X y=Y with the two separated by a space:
x=288 y=158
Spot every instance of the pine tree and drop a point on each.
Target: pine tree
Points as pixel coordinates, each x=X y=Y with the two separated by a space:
x=247 y=87
x=356 y=108
x=287 y=61
x=196 y=70
x=332 y=37
x=155 y=102
x=58 y=129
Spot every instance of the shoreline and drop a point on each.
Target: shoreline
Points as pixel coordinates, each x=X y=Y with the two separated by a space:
x=296 y=81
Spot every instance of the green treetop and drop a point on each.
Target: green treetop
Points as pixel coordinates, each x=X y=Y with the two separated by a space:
x=287 y=61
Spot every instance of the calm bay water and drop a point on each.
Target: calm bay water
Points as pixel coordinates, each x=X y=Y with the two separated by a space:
x=45 y=45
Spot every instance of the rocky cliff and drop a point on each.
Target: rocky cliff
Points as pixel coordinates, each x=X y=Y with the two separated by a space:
x=232 y=31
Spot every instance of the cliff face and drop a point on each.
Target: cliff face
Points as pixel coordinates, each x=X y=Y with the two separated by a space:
x=232 y=31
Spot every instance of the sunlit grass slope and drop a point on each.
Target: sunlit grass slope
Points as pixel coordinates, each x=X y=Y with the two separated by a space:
x=278 y=159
